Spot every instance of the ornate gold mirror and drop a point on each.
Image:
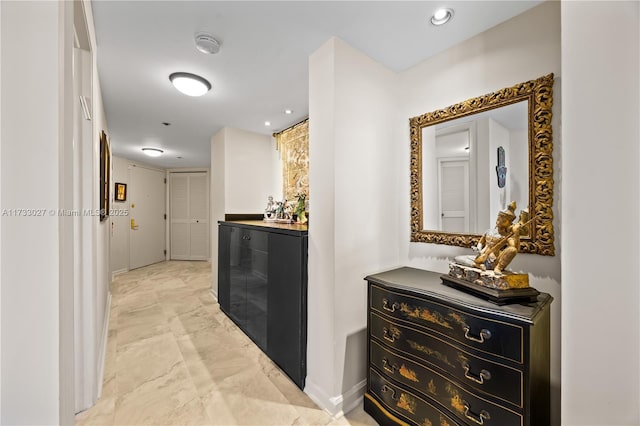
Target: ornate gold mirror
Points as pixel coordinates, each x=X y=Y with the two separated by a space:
x=470 y=160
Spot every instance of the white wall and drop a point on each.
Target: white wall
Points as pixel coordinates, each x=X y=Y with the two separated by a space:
x=34 y=138
x=217 y=201
x=353 y=227
x=513 y=52
x=517 y=167
x=600 y=232
x=121 y=224
x=248 y=171
x=1 y=204
x=95 y=284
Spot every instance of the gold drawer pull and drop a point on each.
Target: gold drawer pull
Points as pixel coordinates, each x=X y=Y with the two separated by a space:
x=390 y=368
x=484 y=374
x=484 y=335
x=386 y=389
x=476 y=418
x=385 y=305
x=391 y=337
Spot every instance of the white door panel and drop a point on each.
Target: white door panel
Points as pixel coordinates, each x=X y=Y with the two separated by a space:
x=199 y=241
x=147 y=210
x=454 y=195
x=179 y=241
x=189 y=195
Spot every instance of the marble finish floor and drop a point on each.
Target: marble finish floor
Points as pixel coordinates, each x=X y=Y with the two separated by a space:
x=173 y=358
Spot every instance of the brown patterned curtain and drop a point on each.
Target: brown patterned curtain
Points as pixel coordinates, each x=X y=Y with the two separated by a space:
x=293 y=144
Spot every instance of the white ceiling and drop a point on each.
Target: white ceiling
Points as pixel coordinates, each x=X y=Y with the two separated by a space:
x=262 y=66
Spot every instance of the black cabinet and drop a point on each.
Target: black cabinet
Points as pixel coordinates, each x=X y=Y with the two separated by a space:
x=262 y=287
x=439 y=356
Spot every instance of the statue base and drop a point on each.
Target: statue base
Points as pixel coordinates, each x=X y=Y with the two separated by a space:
x=498 y=288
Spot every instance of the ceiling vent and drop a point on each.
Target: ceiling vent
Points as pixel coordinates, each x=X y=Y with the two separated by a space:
x=206 y=43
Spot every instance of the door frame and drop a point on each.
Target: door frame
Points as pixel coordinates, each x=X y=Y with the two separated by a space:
x=472 y=128
x=168 y=206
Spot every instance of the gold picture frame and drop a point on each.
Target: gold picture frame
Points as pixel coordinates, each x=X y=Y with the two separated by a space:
x=120 y=191
x=539 y=94
x=104 y=182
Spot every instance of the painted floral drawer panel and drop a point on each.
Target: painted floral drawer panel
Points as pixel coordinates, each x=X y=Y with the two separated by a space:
x=467 y=406
x=501 y=381
x=420 y=376
x=494 y=337
x=406 y=405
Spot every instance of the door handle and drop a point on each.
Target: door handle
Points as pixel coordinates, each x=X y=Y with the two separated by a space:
x=133 y=224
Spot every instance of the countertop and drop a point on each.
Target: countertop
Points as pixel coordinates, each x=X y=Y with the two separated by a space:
x=285 y=228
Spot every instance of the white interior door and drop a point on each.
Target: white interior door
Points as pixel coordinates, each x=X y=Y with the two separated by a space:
x=454 y=196
x=189 y=204
x=147 y=212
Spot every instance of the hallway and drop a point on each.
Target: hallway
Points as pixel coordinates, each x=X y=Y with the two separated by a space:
x=173 y=358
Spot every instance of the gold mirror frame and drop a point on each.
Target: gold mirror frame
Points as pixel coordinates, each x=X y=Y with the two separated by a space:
x=539 y=93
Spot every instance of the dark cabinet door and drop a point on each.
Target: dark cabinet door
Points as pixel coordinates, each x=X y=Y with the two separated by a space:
x=237 y=281
x=287 y=293
x=224 y=243
x=254 y=260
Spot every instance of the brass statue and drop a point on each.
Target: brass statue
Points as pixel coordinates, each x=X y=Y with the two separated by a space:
x=485 y=274
x=495 y=251
x=498 y=248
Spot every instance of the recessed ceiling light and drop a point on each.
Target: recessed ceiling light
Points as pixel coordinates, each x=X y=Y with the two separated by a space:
x=288 y=111
x=267 y=123
x=442 y=16
x=152 y=152
x=190 y=84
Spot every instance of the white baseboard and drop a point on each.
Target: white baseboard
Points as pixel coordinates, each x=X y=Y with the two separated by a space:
x=118 y=272
x=214 y=294
x=102 y=358
x=338 y=405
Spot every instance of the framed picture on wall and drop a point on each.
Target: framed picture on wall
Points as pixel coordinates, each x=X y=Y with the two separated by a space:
x=105 y=184
x=121 y=191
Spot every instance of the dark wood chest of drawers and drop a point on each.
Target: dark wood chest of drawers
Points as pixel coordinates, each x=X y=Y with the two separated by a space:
x=438 y=356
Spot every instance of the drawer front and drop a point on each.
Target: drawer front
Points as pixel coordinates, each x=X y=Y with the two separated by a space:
x=464 y=404
x=500 y=382
x=253 y=239
x=491 y=336
x=398 y=401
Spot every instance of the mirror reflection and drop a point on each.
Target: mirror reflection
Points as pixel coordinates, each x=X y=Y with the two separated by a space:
x=473 y=167
x=471 y=159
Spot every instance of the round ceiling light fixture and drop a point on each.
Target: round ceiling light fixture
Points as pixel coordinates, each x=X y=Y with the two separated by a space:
x=190 y=84
x=442 y=16
x=206 y=43
x=152 y=152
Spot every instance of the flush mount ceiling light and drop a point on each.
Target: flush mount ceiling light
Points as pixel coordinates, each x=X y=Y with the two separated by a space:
x=152 y=152
x=267 y=123
x=442 y=16
x=206 y=43
x=288 y=111
x=190 y=84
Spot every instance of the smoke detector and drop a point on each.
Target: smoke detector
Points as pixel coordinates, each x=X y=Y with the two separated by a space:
x=206 y=43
